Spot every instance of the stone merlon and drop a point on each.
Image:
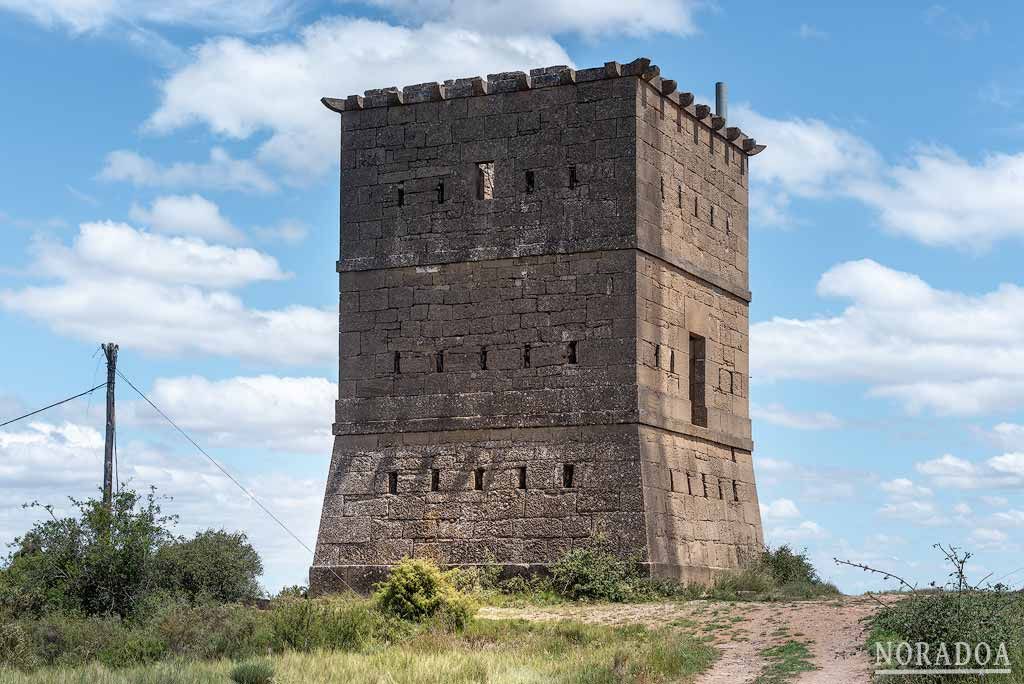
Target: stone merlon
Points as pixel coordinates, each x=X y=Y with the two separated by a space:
x=545 y=77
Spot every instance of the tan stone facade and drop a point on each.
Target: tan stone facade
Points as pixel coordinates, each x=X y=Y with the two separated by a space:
x=544 y=328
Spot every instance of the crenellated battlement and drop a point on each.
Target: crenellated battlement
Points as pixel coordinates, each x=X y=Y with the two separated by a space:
x=545 y=77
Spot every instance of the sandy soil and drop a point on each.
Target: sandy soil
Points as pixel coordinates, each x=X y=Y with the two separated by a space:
x=833 y=628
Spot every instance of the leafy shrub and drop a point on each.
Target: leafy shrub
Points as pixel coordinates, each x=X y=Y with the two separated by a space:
x=214 y=564
x=593 y=574
x=16 y=649
x=416 y=589
x=121 y=560
x=257 y=672
x=105 y=557
x=779 y=573
x=787 y=566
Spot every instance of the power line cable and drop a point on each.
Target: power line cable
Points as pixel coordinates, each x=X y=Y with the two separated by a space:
x=228 y=475
x=47 y=408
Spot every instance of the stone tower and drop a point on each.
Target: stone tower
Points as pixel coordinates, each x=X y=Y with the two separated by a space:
x=544 y=327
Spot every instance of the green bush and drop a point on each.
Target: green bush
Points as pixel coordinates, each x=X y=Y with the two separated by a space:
x=257 y=672
x=779 y=573
x=118 y=560
x=16 y=649
x=416 y=589
x=214 y=564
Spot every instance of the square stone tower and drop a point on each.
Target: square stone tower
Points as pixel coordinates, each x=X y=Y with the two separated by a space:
x=544 y=327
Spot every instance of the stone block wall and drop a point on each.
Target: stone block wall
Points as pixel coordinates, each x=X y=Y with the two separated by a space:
x=543 y=328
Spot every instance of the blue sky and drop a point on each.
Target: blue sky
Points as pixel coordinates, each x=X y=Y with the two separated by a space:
x=170 y=183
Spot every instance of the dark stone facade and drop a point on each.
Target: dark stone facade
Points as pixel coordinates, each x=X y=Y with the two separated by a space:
x=544 y=328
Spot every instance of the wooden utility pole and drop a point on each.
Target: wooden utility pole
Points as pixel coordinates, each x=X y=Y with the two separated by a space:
x=110 y=350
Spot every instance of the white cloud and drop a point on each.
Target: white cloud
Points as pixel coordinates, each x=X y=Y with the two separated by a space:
x=107 y=249
x=291 y=415
x=221 y=172
x=1008 y=435
x=806 y=530
x=174 y=320
x=1011 y=518
x=962 y=509
x=808 y=32
x=1006 y=471
x=995 y=501
x=989 y=539
x=901 y=487
x=948 y=351
x=81 y=16
x=41 y=459
x=187 y=215
x=942 y=199
x=288 y=231
x=777 y=414
x=239 y=88
x=160 y=304
x=953 y=25
x=915 y=512
x=780 y=509
x=552 y=16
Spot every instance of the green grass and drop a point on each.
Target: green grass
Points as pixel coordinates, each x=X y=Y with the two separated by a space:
x=785 y=663
x=494 y=651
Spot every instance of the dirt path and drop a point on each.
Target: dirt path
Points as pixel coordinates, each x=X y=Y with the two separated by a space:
x=833 y=630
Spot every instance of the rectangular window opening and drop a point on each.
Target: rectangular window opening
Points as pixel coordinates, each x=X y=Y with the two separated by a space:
x=439 y=361
x=485 y=180
x=672 y=361
x=672 y=480
x=478 y=479
x=733 y=450
x=689 y=484
x=440 y=192
x=530 y=182
x=704 y=484
x=483 y=358
x=526 y=356
x=572 y=177
x=568 y=471
x=695 y=205
x=398 y=363
x=721 y=495
x=679 y=196
x=401 y=195
x=657 y=356
x=698 y=405
x=663 y=188
x=522 y=477
x=712 y=216
x=735 y=491
x=728 y=226
x=435 y=479
x=393 y=482
x=572 y=353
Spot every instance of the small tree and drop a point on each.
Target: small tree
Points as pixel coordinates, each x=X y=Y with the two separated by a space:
x=97 y=563
x=214 y=564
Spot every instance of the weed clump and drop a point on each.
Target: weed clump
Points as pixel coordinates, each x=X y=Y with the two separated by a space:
x=255 y=672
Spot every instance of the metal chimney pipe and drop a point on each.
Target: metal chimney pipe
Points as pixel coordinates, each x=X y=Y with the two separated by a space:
x=721 y=100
